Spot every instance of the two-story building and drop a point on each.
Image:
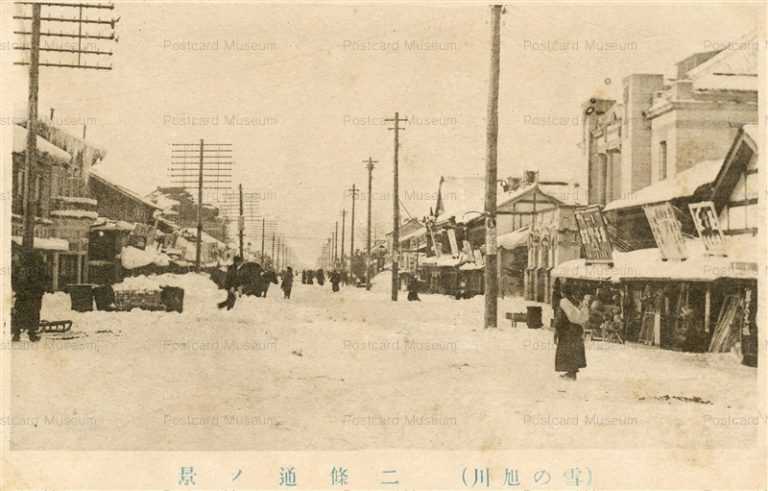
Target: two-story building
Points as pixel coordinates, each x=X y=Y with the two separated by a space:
x=63 y=208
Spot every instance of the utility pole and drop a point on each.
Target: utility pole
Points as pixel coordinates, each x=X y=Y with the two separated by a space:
x=354 y=192
x=198 y=249
x=336 y=244
x=369 y=165
x=343 y=223
x=396 y=208
x=272 y=257
x=187 y=172
x=492 y=140
x=35 y=33
x=30 y=162
x=263 y=222
x=241 y=223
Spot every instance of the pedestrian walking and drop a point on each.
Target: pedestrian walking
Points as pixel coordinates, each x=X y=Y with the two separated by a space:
x=570 y=317
x=413 y=289
x=29 y=276
x=267 y=277
x=320 y=277
x=232 y=283
x=287 y=284
x=335 y=280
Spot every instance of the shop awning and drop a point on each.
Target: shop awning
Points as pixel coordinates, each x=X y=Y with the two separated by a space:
x=53 y=244
x=511 y=240
x=646 y=264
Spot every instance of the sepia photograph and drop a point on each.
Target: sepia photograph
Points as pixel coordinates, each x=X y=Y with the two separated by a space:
x=383 y=245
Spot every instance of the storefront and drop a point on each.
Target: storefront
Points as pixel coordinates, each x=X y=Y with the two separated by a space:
x=704 y=303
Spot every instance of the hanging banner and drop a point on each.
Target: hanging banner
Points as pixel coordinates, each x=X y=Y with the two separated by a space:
x=666 y=231
x=454 y=244
x=436 y=249
x=708 y=227
x=593 y=233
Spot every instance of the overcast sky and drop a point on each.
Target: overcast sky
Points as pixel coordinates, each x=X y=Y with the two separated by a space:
x=300 y=92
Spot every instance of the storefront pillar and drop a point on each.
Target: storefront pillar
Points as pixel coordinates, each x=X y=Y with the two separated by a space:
x=707 y=306
x=55 y=275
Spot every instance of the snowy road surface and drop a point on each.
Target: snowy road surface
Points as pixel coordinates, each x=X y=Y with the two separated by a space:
x=354 y=370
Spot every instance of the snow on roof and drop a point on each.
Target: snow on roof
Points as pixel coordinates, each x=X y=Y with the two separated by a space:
x=753 y=131
x=678 y=186
x=50 y=244
x=738 y=58
x=727 y=82
x=459 y=195
x=163 y=202
x=414 y=233
x=20 y=146
x=514 y=239
x=206 y=237
x=97 y=173
x=741 y=262
x=113 y=225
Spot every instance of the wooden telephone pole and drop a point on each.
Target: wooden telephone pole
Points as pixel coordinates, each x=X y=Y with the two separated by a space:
x=35 y=33
x=369 y=164
x=492 y=139
x=187 y=171
x=241 y=224
x=343 y=223
x=396 y=208
x=263 y=222
x=354 y=191
x=336 y=244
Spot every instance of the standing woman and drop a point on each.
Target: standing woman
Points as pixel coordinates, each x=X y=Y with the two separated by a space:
x=287 y=282
x=570 y=318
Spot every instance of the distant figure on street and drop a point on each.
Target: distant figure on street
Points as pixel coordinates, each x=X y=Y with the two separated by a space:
x=29 y=276
x=287 y=282
x=310 y=274
x=570 y=317
x=320 y=277
x=335 y=280
x=413 y=289
x=232 y=283
x=267 y=277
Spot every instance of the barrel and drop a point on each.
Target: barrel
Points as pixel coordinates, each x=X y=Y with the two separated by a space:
x=104 y=296
x=534 y=317
x=173 y=298
x=81 y=296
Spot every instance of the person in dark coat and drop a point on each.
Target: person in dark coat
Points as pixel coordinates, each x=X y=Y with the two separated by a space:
x=320 y=277
x=267 y=277
x=335 y=280
x=232 y=283
x=570 y=317
x=29 y=276
x=287 y=284
x=249 y=278
x=413 y=289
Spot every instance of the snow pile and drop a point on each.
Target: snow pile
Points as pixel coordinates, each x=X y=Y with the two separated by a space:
x=382 y=282
x=132 y=257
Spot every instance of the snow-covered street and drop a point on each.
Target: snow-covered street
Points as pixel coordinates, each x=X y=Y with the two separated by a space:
x=353 y=370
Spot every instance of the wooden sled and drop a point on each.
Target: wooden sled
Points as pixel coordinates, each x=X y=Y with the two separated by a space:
x=55 y=326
